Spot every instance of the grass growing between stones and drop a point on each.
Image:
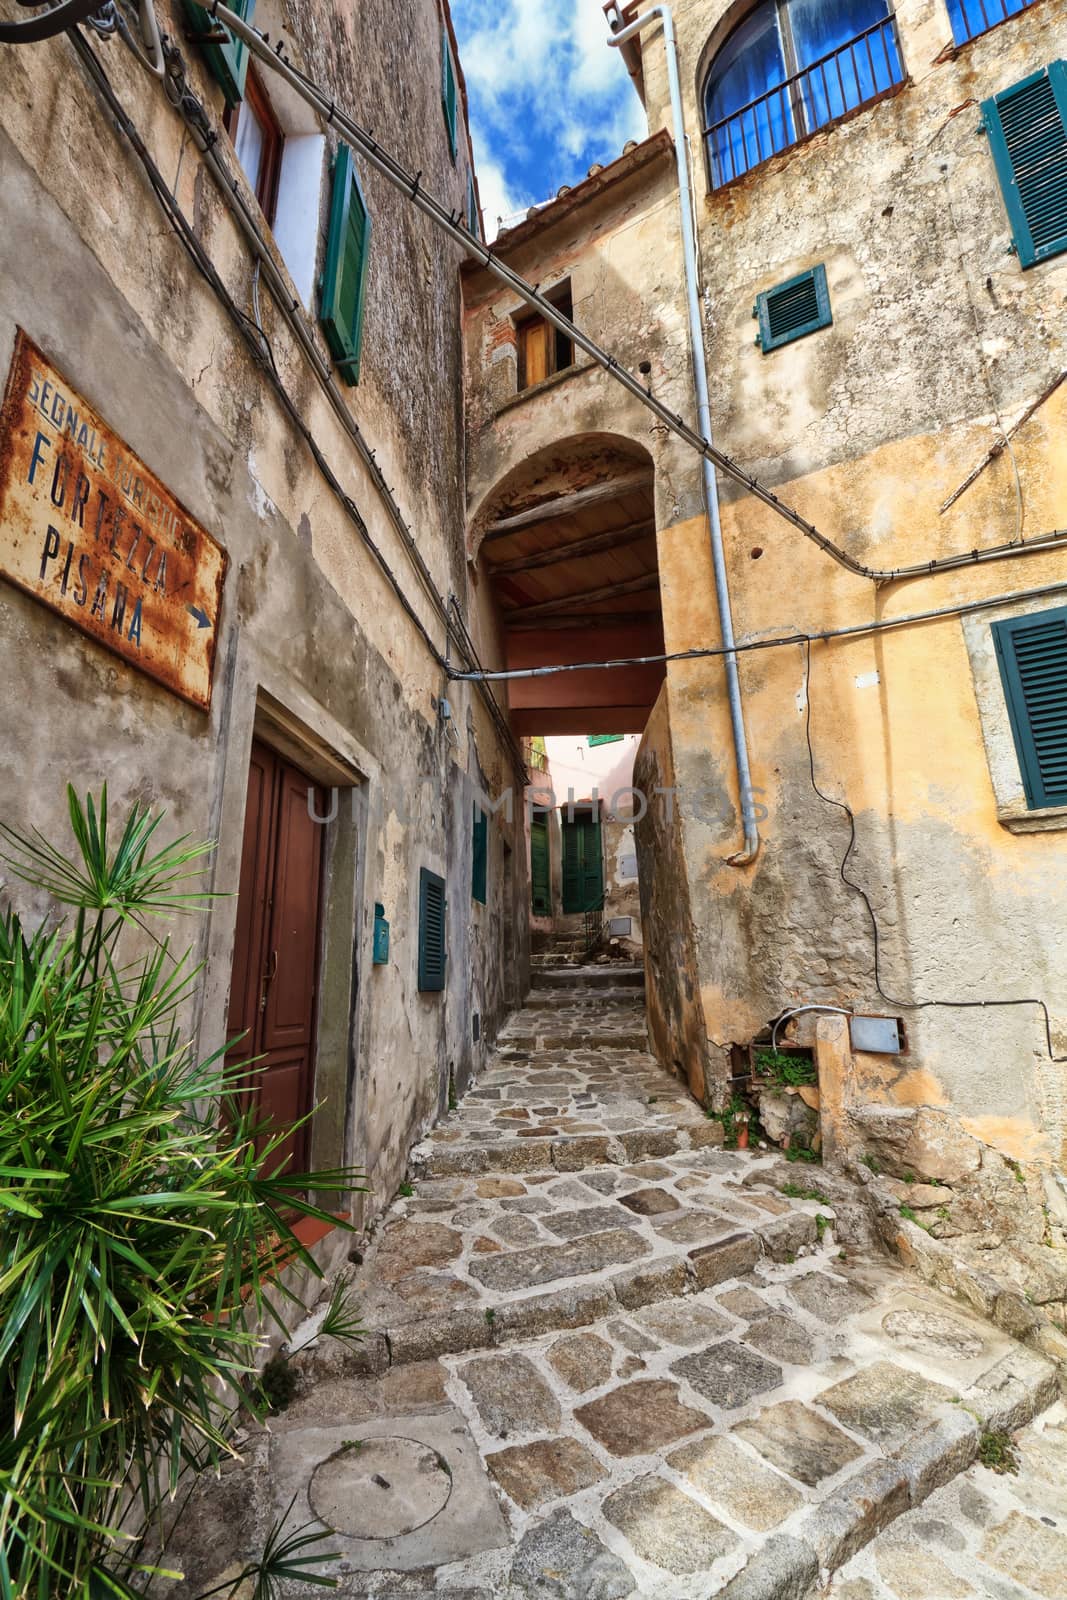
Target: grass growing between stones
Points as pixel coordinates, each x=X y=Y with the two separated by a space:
x=795 y=1191
x=997 y=1452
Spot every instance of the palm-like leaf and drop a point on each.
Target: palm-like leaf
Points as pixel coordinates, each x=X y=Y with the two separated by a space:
x=143 y=1225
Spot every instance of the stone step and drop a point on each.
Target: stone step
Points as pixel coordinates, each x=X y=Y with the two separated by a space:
x=610 y=976
x=519 y=1294
x=607 y=1039
x=438 y=1158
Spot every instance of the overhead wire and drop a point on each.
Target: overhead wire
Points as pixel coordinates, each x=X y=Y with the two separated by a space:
x=893 y=1001
x=252 y=331
x=706 y=652
x=410 y=184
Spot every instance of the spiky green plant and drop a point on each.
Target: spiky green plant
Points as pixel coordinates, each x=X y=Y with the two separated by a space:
x=145 y=1220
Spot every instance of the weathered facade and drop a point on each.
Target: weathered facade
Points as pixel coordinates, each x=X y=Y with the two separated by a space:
x=918 y=419
x=337 y=522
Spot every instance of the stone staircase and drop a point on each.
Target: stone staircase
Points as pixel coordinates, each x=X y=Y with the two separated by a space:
x=652 y=1367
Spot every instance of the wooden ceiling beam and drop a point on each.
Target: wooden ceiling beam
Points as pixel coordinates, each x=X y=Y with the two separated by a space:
x=565 y=505
x=554 y=621
x=614 y=539
x=561 y=602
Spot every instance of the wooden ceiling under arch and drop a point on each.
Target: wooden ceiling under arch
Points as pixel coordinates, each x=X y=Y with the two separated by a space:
x=572 y=563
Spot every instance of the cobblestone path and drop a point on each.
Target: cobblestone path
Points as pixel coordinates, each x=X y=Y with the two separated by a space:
x=608 y=1358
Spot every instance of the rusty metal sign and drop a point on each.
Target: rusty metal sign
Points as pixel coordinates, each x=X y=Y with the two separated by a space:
x=86 y=529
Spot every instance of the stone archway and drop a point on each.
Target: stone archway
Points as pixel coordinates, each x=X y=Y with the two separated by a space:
x=567 y=542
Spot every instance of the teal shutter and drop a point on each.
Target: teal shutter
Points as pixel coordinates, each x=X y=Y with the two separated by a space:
x=344 y=278
x=1032 y=656
x=791 y=309
x=226 y=56
x=605 y=738
x=480 y=859
x=432 y=955
x=540 y=881
x=474 y=221
x=449 y=95
x=1027 y=127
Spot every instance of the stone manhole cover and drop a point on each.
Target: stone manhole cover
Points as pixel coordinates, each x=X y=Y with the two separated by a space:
x=928 y=1330
x=380 y=1488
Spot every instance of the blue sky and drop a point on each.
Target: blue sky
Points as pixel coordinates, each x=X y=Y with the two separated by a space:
x=547 y=96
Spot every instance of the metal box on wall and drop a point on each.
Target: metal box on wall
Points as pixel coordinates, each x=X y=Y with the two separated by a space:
x=381 y=935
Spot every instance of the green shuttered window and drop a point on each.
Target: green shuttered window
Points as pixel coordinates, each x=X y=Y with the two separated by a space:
x=791 y=309
x=1032 y=656
x=432 y=953
x=449 y=93
x=344 y=278
x=480 y=858
x=540 y=884
x=1027 y=127
x=226 y=56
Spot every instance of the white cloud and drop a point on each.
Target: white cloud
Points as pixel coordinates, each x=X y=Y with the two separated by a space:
x=497 y=199
x=547 y=94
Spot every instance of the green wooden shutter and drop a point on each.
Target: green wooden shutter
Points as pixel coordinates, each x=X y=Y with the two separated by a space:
x=1032 y=656
x=474 y=221
x=449 y=96
x=1027 y=127
x=791 y=309
x=480 y=858
x=432 y=954
x=540 y=879
x=226 y=56
x=344 y=278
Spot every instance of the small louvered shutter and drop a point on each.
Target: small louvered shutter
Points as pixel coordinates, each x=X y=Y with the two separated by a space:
x=480 y=859
x=449 y=97
x=1027 y=127
x=344 y=278
x=226 y=56
x=1032 y=656
x=541 y=893
x=792 y=309
x=431 y=931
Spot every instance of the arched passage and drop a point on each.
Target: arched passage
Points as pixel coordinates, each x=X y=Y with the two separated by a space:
x=568 y=543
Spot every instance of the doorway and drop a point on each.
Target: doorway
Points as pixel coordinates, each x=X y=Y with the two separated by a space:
x=583 y=866
x=274 y=986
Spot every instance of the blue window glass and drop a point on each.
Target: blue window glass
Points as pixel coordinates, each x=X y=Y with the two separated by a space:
x=969 y=18
x=747 y=121
x=791 y=67
x=849 y=58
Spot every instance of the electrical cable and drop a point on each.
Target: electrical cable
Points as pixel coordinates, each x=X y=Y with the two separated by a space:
x=254 y=335
x=363 y=142
x=707 y=652
x=247 y=326
x=52 y=22
x=858 y=889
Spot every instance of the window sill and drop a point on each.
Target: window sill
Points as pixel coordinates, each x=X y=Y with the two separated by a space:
x=546 y=383
x=1049 y=819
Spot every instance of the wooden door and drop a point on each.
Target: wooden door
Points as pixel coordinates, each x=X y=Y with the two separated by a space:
x=583 y=877
x=273 y=991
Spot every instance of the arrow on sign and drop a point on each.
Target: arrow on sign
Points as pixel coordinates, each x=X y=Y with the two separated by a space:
x=202 y=618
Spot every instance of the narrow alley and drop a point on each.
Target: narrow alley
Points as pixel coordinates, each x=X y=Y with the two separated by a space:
x=606 y=1357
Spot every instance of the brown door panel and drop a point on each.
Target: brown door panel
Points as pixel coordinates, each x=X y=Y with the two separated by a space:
x=275 y=967
x=292 y=954
x=281 y=1101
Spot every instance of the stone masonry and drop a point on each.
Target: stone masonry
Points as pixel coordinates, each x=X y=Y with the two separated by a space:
x=606 y=1357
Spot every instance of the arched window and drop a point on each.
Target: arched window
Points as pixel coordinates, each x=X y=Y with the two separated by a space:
x=792 y=66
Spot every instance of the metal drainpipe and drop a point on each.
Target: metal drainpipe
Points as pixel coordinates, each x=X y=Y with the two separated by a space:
x=700 y=382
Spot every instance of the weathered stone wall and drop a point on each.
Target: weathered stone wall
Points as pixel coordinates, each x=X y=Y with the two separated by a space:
x=314 y=652
x=676 y=1021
